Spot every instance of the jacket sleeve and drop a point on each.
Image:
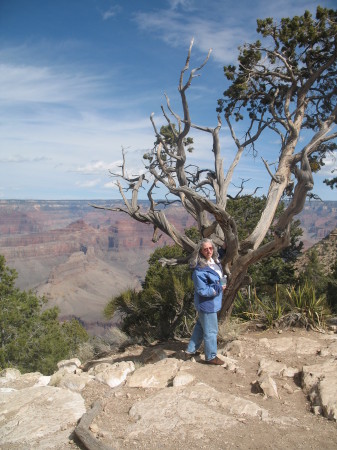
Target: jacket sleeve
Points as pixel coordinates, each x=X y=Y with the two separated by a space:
x=204 y=286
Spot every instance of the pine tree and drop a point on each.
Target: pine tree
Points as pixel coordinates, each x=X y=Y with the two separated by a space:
x=32 y=339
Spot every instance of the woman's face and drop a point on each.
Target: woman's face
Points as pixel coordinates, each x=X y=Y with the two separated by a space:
x=207 y=250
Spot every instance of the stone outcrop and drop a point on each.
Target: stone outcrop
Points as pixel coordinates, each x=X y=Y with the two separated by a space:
x=148 y=393
x=319 y=381
x=112 y=374
x=38 y=417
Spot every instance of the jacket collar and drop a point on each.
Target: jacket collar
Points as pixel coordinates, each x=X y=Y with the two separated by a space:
x=206 y=269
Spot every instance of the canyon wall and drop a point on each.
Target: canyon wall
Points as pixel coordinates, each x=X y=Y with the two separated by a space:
x=76 y=256
x=79 y=256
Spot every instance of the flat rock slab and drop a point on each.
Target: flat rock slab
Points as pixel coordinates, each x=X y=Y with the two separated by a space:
x=38 y=417
x=200 y=408
x=300 y=346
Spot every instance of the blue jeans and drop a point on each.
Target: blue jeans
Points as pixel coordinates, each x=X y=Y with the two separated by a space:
x=206 y=329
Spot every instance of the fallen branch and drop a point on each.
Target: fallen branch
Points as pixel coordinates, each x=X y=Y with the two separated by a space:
x=82 y=429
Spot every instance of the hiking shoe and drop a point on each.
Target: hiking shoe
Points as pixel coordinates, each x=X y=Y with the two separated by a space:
x=197 y=353
x=216 y=361
x=187 y=356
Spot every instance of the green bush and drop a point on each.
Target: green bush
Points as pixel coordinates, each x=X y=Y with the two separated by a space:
x=161 y=312
x=331 y=289
x=32 y=339
x=292 y=306
x=264 y=309
x=314 y=273
x=164 y=308
x=309 y=309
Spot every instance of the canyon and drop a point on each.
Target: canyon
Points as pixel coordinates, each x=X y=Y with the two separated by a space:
x=78 y=256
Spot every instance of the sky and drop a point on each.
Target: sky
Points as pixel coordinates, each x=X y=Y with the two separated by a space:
x=79 y=80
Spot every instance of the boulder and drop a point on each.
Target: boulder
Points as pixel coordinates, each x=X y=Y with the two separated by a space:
x=115 y=374
x=330 y=350
x=54 y=412
x=327 y=396
x=271 y=368
x=290 y=372
x=305 y=346
x=70 y=365
x=9 y=374
x=234 y=348
x=312 y=374
x=278 y=345
x=75 y=381
x=229 y=363
x=12 y=378
x=301 y=345
x=156 y=375
x=267 y=386
x=155 y=355
x=183 y=379
x=319 y=381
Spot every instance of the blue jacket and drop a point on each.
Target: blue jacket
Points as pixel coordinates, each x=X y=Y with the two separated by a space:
x=207 y=289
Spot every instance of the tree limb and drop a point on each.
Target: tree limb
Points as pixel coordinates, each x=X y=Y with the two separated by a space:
x=82 y=429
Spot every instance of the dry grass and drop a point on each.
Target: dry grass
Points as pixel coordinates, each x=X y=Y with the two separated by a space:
x=231 y=329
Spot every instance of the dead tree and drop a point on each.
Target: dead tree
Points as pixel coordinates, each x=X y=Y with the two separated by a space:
x=286 y=87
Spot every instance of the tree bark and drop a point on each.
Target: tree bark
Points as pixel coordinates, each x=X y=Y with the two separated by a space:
x=82 y=430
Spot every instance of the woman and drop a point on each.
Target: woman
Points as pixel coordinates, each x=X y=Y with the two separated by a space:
x=207 y=300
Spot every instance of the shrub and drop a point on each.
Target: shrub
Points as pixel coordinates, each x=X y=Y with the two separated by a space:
x=263 y=308
x=164 y=308
x=292 y=306
x=307 y=309
x=32 y=339
x=161 y=311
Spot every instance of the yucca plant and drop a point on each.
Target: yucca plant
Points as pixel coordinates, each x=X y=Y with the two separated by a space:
x=244 y=308
x=271 y=310
x=265 y=309
x=310 y=310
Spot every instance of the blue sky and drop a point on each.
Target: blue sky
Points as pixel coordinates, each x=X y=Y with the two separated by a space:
x=80 y=78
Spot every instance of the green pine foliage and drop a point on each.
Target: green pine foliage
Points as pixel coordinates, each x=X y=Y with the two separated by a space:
x=32 y=339
x=314 y=273
x=278 y=268
x=277 y=295
x=331 y=289
x=164 y=308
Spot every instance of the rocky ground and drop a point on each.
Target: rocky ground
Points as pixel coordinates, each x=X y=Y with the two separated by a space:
x=257 y=400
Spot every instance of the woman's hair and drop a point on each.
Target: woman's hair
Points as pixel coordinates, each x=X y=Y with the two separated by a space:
x=198 y=259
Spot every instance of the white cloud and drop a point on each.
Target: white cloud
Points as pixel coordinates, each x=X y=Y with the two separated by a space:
x=176 y=30
x=186 y=4
x=217 y=25
x=38 y=84
x=330 y=166
x=111 y=185
x=99 y=167
x=88 y=184
x=23 y=159
x=111 y=12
